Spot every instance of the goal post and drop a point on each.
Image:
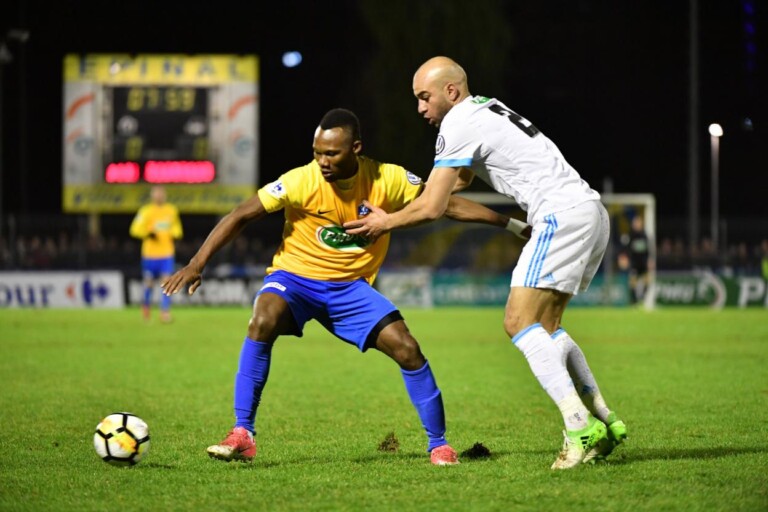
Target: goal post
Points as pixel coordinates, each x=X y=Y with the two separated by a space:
x=619 y=207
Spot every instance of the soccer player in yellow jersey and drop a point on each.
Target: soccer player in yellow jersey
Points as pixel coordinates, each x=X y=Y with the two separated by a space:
x=322 y=273
x=158 y=225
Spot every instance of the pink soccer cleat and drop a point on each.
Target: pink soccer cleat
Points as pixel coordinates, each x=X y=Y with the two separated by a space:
x=238 y=445
x=444 y=456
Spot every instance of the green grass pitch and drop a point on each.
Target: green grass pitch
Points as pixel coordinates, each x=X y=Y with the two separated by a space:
x=692 y=386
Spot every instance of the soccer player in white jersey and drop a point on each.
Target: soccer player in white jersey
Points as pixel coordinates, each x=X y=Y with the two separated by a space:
x=482 y=136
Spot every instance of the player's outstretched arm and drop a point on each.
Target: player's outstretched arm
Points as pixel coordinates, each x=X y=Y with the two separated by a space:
x=465 y=210
x=429 y=206
x=223 y=233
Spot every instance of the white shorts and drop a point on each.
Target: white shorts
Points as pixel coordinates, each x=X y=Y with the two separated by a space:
x=565 y=250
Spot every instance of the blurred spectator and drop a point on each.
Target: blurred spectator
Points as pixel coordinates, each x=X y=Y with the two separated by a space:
x=739 y=261
x=705 y=256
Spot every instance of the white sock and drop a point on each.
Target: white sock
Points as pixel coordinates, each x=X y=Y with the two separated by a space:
x=586 y=385
x=545 y=360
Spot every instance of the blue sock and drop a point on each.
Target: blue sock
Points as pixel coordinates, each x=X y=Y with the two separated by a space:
x=165 y=302
x=250 y=380
x=147 y=295
x=426 y=397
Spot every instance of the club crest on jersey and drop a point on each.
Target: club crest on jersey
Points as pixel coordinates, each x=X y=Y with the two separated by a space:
x=362 y=210
x=412 y=178
x=276 y=189
x=336 y=238
x=439 y=145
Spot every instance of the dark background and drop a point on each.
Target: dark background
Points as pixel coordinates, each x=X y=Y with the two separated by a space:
x=607 y=81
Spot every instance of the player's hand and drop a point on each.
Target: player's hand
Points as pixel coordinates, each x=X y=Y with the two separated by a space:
x=152 y=235
x=187 y=276
x=372 y=226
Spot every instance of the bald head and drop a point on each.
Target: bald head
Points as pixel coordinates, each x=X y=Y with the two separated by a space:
x=443 y=71
x=439 y=84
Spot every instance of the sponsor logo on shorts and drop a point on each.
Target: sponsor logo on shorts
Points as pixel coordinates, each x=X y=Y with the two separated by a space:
x=273 y=285
x=336 y=238
x=412 y=178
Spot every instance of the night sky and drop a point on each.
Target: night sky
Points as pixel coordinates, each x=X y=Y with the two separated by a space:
x=607 y=81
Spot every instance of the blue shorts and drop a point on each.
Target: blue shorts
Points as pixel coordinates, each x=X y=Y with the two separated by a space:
x=153 y=268
x=351 y=310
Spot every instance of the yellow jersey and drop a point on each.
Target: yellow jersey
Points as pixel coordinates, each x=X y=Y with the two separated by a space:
x=315 y=244
x=162 y=220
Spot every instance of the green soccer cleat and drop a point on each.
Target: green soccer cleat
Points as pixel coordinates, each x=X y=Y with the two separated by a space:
x=617 y=433
x=578 y=444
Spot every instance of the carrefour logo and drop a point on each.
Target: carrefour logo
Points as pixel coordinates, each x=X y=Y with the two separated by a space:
x=336 y=238
x=89 y=291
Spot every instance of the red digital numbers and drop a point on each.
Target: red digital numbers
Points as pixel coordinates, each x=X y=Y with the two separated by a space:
x=155 y=171
x=122 y=172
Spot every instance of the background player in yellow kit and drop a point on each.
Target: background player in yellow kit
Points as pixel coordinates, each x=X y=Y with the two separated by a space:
x=158 y=225
x=322 y=273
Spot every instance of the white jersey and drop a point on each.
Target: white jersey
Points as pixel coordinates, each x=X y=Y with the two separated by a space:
x=510 y=154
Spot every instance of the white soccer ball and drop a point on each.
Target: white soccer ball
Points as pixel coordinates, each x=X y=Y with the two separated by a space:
x=121 y=439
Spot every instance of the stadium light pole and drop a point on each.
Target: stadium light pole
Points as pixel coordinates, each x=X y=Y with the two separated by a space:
x=715 y=132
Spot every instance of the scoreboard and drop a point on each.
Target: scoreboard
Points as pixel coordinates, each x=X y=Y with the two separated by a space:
x=185 y=121
x=162 y=130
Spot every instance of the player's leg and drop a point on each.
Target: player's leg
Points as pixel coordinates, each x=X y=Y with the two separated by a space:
x=271 y=317
x=574 y=357
x=548 y=272
x=590 y=394
x=632 y=284
x=166 y=270
x=396 y=341
x=583 y=378
x=148 y=275
x=526 y=307
x=360 y=315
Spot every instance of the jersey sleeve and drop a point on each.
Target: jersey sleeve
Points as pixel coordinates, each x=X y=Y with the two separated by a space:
x=455 y=146
x=402 y=186
x=138 y=227
x=284 y=191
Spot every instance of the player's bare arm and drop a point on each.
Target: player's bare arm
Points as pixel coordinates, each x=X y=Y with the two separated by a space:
x=223 y=233
x=429 y=206
x=465 y=179
x=465 y=210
